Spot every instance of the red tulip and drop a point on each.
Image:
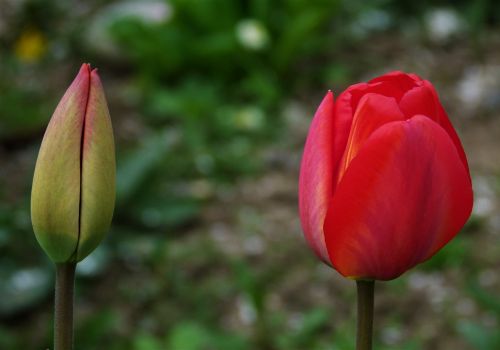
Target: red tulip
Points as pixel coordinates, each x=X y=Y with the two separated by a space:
x=384 y=181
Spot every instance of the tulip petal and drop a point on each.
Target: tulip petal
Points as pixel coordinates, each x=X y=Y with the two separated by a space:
x=98 y=171
x=316 y=176
x=354 y=93
x=398 y=79
x=445 y=122
x=419 y=100
x=345 y=107
x=424 y=100
x=56 y=181
x=373 y=111
x=403 y=197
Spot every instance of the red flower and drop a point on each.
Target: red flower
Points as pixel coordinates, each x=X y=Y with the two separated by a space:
x=384 y=181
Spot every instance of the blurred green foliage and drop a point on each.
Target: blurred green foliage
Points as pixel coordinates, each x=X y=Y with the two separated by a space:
x=212 y=78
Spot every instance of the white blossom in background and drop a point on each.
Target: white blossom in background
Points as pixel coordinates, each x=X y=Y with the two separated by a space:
x=249 y=118
x=433 y=285
x=98 y=36
x=484 y=196
x=246 y=311
x=479 y=87
x=443 y=23
x=391 y=335
x=252 y=34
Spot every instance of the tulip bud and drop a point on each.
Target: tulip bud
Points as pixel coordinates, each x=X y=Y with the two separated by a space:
x=73 y=193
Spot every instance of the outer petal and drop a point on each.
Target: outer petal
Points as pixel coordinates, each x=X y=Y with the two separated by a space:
x=419 y=100
x=373 y=111
x=400 y=79
x=445 y=122
x=424 y=100
x=55 y=196
x=316 y=177
x=345 y=105
x=98 y=171
x=403 y=197
x=354 y=93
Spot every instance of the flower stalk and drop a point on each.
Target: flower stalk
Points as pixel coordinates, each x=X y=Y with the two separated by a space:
x=63 y=313
x=364 y=333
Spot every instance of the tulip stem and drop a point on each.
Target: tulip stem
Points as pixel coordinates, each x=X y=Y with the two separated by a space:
x=365 y=314
x=64 y=298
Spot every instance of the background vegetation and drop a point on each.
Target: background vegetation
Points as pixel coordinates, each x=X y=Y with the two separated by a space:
x=211 y=101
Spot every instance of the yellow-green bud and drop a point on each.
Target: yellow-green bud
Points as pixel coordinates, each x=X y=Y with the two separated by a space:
x=73 y=193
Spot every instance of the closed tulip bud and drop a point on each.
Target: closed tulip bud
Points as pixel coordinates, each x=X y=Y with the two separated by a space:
x=384 y=181
x=73 y=193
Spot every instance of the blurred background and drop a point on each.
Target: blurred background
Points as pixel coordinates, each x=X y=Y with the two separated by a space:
x=211 y=102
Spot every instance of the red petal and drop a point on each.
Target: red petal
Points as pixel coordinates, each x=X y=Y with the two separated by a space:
x=419 y=100
x=343 y=117
x=445 y=122
x=394 y=84
x=345 y=108
x=424 y=100
x=316 y=176
x=403 y=197
x=373 y=111
x=404 y=81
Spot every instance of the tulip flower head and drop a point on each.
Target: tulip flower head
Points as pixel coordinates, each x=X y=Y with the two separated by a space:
x=384 y=181
x=73 y=191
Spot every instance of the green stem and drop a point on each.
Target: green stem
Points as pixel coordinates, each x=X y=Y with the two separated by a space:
x=365 y=314
x=64 y=298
